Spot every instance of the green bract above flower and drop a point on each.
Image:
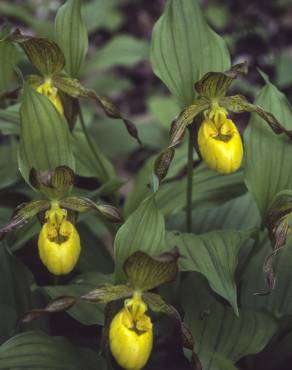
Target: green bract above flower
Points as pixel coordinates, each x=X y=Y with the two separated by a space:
x=59 y=242
x=211 y=90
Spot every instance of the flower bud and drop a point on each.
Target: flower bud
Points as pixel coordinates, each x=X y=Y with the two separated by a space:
x=59 y=242
x=131 y=335
x=219 y=142
x=51 y=93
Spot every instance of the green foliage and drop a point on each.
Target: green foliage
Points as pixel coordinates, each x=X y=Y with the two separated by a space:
x=9 y=56
x=44 y=136
x=220 y=245
x=215 y=256
x=122 y=50
x=144 y=230
x=37 y=350
x=267 y=165
x=180 y=35
x=71 y=35
x=222 y=337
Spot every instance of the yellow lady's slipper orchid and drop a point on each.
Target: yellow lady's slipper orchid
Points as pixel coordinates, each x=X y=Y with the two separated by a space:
x=51 y=93
x=219 y=141
x=59 y=242
x=131 y=334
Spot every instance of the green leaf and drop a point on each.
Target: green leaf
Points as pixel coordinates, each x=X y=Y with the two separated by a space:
x=278 y=302
x=9 y=120
x=282 y=63
x=40 y=26
x=268 y=156
x=215 y=84
x=71 y=35
x=209 y=188
x=146 y=273
x=220 y=336
x=163 y=109
x=15 y=293
x=87 y=164
x=9 y=57
x=184 y=48
x=144 y=230
x=240 y=213
x=36 y=350
x=122 y=50
x=44 y=54
x=44 y=137
x=95 y=255
x=8 y=164
x=86 y=313
x=214 y=255
x=102 y=14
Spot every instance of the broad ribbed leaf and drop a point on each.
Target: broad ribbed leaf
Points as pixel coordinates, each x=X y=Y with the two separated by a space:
x=184 y=48
x=36 y=350
x=220 y=337
x=8 y=164
x=122 y=50
x=144 y=230
x=240 y=213
x=87 y=164
x=214 y=255
x=268 y=156
x=208 y=187
x=279 y=301
x=15 y=293
x=44 y=137
x=84 y=312
x=71 y=35
x=9 y=120
x=9 y=57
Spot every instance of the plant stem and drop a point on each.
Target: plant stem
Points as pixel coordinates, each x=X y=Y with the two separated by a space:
x=189 y=183
x=91 y=145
